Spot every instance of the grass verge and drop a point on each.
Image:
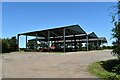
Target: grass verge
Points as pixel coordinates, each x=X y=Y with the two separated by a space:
x=97 y=70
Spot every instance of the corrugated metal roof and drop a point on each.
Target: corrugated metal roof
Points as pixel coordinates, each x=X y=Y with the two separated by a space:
x=92 y=35
x=70 y=30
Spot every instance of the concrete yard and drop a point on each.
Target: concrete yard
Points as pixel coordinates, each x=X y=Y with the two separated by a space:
x=51 y=65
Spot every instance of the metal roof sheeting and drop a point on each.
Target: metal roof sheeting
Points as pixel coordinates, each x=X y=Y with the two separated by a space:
x=92 y=35
x=70 y=30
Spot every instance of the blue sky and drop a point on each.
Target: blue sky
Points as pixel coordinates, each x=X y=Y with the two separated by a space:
x=18 y=17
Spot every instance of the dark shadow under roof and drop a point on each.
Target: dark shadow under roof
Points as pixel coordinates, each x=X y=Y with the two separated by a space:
x=103 y=39
x=92 y=35
x=70 y=30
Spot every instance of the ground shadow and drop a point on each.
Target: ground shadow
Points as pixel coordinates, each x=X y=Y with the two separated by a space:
x=111 y=65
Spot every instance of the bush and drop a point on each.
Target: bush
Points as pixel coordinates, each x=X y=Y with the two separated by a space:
x=116 y=69
x=106 y=69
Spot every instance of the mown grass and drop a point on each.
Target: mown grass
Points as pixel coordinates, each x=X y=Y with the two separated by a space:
x=98 y=70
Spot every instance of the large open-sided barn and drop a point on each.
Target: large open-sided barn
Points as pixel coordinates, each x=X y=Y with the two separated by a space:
x=68 y=38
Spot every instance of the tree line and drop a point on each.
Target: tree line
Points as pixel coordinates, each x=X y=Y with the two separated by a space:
x=8 y=45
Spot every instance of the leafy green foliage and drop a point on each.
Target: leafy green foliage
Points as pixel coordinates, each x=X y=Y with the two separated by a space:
x=106 y=69
x=9 y=45
x=13 y=44
x=5 y=45
x=107 y=47
x=116 y=34
x=111 y=66
x=116 y=69
x=31 y=44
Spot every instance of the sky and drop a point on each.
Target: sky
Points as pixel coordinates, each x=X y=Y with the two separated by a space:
x=0 y=19
x=19 y=17
x=59 y=0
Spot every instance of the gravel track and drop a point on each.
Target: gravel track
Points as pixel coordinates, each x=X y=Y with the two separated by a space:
x=48 y=65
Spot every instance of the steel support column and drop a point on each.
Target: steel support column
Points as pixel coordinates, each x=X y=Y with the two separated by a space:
x=97 y=44
x=101 y=44
x=75 y=43
x=36 y=42
x=64 y=39
x=18 y=41
x=26 y=41
x=48 y=39
x=87 y=42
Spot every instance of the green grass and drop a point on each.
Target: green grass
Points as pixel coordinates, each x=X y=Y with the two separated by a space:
x=97 y=70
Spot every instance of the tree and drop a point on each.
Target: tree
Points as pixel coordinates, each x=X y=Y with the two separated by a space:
x=116 y=33
x=31 y=44
x=13 y=44
x=9 y=45
x=5 y=45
